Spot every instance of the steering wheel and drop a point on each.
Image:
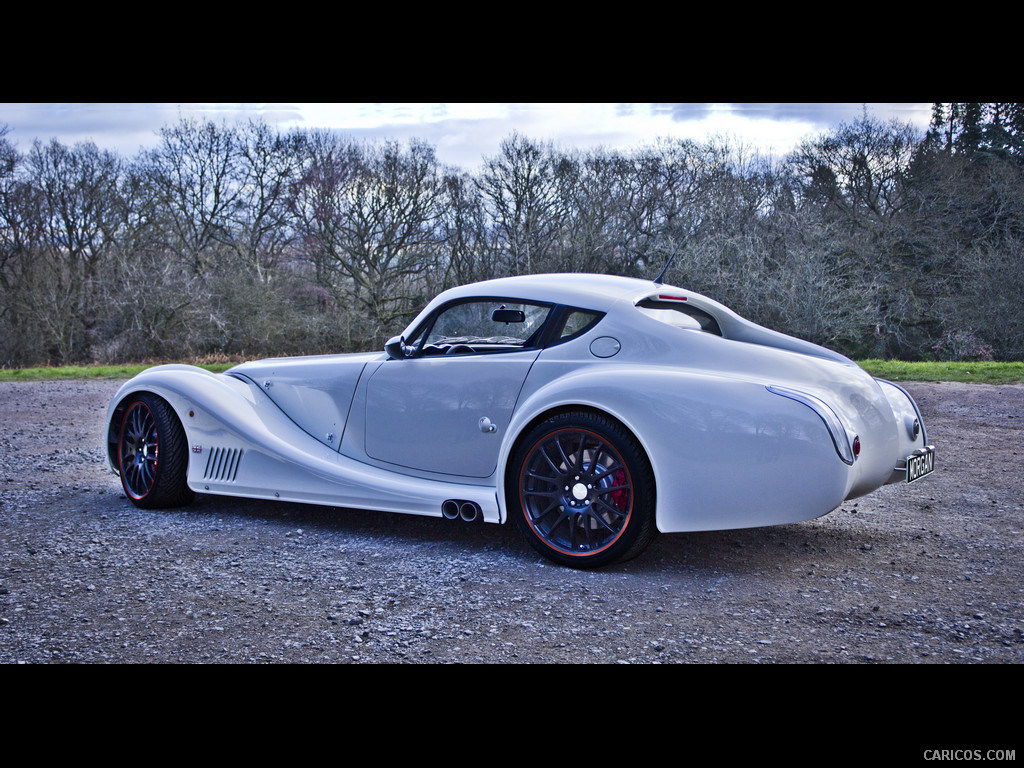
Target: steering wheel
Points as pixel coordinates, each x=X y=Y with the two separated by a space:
x=459 y=349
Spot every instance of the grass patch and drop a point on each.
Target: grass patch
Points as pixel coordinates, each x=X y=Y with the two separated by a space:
x=57 y=373
x=971 y=373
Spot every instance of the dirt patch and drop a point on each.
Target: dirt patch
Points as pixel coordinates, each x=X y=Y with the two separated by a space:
x=928 y=572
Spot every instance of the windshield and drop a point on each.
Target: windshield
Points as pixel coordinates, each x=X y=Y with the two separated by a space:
x=488 y=322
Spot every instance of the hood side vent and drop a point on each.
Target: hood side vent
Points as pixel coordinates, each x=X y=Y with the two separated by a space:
x=222 y=464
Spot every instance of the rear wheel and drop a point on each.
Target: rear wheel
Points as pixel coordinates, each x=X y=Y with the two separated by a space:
x=152 y=454
x=582 y=491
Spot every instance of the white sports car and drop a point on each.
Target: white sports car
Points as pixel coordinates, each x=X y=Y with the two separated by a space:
x=592 y=410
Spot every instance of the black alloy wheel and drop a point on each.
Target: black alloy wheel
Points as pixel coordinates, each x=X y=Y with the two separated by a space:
x=152 y=455
x=582 y=491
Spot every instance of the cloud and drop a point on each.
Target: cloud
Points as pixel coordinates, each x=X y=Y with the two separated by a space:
x=464 y=133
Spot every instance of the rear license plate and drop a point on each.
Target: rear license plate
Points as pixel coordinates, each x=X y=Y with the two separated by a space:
x=920 y=463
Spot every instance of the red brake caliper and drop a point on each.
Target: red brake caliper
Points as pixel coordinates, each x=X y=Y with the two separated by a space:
x=620 y=498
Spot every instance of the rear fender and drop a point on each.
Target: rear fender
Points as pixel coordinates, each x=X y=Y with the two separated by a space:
x=725 y=453
x=910 y=429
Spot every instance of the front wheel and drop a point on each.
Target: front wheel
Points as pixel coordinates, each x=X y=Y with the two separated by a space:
x=152 y=454
x=582 y=491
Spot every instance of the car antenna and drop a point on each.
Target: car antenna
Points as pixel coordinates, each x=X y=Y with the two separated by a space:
x=668 y=264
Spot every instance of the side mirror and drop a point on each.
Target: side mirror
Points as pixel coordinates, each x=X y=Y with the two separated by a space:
x=396 y=348
x=502 y=315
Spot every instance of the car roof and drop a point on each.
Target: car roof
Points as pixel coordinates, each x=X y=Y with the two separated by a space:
x=597 y=292
x=603 y=292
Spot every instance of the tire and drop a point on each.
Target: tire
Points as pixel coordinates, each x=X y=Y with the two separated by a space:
x=582 y=491
x=152 y=454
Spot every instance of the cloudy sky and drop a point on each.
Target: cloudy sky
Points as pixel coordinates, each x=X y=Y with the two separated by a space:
x=463 y=133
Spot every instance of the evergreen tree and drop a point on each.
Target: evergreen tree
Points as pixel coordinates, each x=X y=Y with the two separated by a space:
x=938 y=128
x=971 y=132
x=1015 y=129
x=996 y=133
x=996 y=128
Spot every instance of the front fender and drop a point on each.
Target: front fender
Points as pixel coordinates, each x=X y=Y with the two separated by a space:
x=242 y=444
x=179 y=385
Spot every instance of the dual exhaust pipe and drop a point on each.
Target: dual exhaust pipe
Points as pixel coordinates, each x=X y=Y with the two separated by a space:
x=454 y=509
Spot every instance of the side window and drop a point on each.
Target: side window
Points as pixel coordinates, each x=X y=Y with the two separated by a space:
x=578 y=321
x=485 y=326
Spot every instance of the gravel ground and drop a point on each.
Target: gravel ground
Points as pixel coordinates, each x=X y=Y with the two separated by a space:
x=921 y=574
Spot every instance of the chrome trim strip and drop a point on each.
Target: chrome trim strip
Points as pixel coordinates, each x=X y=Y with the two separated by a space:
x=840 y=438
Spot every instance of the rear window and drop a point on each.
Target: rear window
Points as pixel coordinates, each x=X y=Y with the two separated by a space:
x=679 y=314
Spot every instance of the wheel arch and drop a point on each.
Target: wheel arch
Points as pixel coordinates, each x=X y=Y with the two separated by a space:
x=177 y=385
x=526 y=426
x=118 y=408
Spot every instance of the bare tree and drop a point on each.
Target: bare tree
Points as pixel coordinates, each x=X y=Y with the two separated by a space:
x=76 y=198
x=258 y=227
x=859 y=169
x=867 y=238
x=369 y=219
x=388 y=240
x=194 y=176
x=519 y=190
x=329 y=165
x=15 y=222
x=590 y=213
x=465 y=235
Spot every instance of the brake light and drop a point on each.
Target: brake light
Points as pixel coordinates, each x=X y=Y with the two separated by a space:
x=672 y=298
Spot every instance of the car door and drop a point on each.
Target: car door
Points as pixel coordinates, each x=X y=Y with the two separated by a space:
x=445 y=408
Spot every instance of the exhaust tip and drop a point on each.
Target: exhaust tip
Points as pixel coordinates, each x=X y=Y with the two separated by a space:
x=457 y=509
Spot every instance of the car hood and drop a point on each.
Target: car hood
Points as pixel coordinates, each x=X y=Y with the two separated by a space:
x=314 y=391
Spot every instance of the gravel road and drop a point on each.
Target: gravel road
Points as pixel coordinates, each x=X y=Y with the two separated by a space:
x=920 y=574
